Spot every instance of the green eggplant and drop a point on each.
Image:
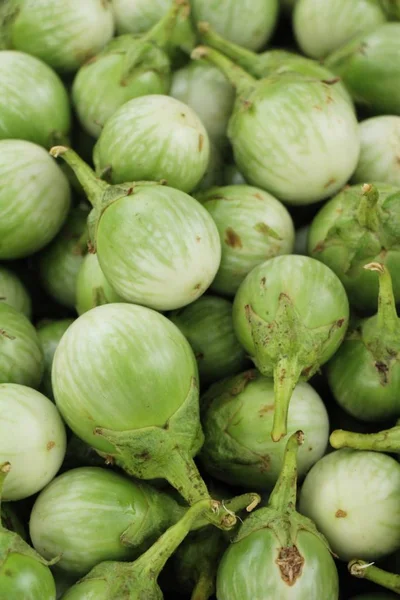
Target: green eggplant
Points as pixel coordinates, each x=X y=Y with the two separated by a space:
x=360 y=225
x=24 y=574
x=364 y=374
x=278 y=553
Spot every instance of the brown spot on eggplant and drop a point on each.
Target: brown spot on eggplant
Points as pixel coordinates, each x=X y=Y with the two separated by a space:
x=263 y=281
x=197 y=286
x=266 y=409
x=340 y=514
x=4 y=333
x=201 y=142
x=266 y=230
x=247 y=104
x=290 y=563
x=306 y=371
x=331 y=181
x=247 y=376
x=258 y=196
x=232 y=239
x=339 y=322
x=331 y=81
x=383 y=370
x=50 y=445
x=265 y=463
x=145 y=455
x=319 y=247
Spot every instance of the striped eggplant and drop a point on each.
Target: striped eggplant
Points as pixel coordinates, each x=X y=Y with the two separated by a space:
x=249 y=23
x=322 y=28
x=353 y=498
x=290 y=314
x=62 y=34
x=237 y=413
x=21 y=357
x=92 y=288
x=252 y=225
x=23 y=572
x=294 y=136
x=153 y=138
x=34 y=197
x=14 y=293
x=380 y=151
x=156 y=245
x=32 y=440
x=41 y=116
x=91 y=514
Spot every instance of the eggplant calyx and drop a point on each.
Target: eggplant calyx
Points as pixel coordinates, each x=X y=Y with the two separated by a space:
x=139 y=579
x=288 y=350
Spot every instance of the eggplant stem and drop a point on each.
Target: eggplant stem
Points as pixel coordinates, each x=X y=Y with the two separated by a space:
x=163 y=29
x=367 y=213
x=286 y=376
x=384 y=441
x=243 y=57
x=93 y=186
x=388 y=319
x=284 y=494
x=154 y=559
x=364 y=570
x=242 y=81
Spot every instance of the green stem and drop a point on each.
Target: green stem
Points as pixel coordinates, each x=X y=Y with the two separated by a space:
x=92 y=185
x=153 y=561
x=286 y=375
x=284 y=494
x=245 y=501
x=383 y=441
x=388 y=319
x=245 y=58
x=367 y=213
x=182 y=470
x=242 y=81
x=364 y=570
x=4 y=470
x=162 y=31
x=183 y=475
x=205 y=587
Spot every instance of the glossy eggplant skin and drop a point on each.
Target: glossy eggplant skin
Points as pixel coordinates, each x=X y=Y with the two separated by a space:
x=24 y=578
